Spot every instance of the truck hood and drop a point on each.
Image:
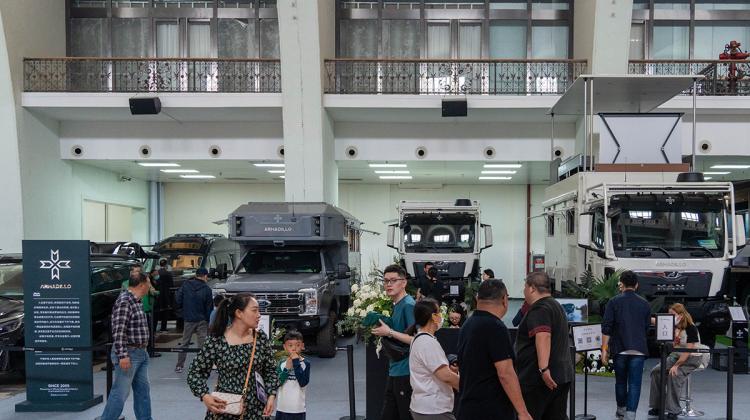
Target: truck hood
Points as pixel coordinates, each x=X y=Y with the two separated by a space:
x=263 y=283
x=707 y=272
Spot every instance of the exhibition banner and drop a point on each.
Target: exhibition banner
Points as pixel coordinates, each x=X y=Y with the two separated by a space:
x=57 y=315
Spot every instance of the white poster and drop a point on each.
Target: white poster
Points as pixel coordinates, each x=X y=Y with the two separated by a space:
x=664 y=327
x=737 y=313
x=265 y=325
x=587 y=337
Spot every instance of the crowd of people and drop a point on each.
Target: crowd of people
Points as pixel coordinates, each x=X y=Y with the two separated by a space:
x=490 y=377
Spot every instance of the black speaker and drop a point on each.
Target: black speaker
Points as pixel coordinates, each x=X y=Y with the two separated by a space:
x=454 y=108
x=145 y=106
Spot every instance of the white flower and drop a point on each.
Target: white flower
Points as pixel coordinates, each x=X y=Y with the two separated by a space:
x=371 y=307
x=350 y=312
x=386 y=313
x=362 y=313
x=355 y=288
x=357 y=303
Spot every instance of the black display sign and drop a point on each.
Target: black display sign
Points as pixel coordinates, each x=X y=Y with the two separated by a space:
x=57 y=314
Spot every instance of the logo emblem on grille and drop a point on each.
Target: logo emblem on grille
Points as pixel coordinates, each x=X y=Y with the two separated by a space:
x=264 y=303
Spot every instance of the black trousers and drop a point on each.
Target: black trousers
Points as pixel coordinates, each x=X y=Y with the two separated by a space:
x=397 y=399
x=544 y=404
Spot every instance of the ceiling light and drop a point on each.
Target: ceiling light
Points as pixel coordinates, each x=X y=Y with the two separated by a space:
x=707 y=178
x=269 y=165
x=730 y=167
x=276 y=171
x=388 y=165
x=180 y=171
x=197 y=176
x=395 y=177
x=495 y=177
x=159 y=164
x=503 y=165
x=391 y=172
x=282 y=177
x=716 y=173
x=499 y=172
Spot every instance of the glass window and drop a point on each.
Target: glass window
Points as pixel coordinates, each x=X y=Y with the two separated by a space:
x=710 y=39
x=671 y=4
x=237 y=38
x=508 y=5
x=597 y=232
x=184 y=3
x=289 y=262
x=359 y=38
x=550 y=219
x=721 y=5
x=549 y=41
x=401 y=38
x=236 y=3
x=89 y=3
x=670 y=41
x=269 y=38
x=88 y=37
x=167 y=39
x=570 y=221
x=637 y=50
x=199 y=39
x=130 y=37
x=641 y=4
x=549 y=5
x=438 y=40
x=454 y=232
x=469 y=40
x=507 y=39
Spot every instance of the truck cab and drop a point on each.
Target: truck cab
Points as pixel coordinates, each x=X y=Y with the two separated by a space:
x=299 y=260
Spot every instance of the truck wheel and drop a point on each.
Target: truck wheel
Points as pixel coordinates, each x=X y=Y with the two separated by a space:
x=326 y=342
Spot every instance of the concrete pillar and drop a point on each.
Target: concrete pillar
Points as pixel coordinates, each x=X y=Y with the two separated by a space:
x=307 y=37
x=601 y=34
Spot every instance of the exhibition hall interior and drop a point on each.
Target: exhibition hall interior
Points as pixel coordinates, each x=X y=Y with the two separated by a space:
x=315 y=176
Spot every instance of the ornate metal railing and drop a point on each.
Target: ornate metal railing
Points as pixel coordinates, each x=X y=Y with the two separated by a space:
x=722 y=77
x=73 y=74
x=446 y=77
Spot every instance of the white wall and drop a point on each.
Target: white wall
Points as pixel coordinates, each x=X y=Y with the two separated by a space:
x=192 y=207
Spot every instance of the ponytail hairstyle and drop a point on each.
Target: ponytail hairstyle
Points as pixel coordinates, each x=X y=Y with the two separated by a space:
x=225 y=312
x=423 y=311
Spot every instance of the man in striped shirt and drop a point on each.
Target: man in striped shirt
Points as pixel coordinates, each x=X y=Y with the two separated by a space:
x=130 y=333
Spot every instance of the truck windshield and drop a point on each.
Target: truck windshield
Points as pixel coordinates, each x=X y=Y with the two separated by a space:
x=266 y=262
x=183 y=261
x=669 y=231
x=11 y=280
x=439 y=232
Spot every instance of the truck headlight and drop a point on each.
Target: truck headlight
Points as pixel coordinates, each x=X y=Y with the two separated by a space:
x=10 y=324
x=218 y=292
x=310 y=297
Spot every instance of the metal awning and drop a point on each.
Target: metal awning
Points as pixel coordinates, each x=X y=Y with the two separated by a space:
x=632 y=93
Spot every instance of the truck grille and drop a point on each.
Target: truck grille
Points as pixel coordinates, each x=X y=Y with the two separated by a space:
x=278 y=303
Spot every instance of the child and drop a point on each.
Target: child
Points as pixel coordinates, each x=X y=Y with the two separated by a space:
x=294 y=375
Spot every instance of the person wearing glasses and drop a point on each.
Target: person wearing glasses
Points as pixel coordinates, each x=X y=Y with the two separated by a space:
x=397 y=389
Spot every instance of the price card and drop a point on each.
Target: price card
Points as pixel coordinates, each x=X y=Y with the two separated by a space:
x=587 y=337
x=265 y=324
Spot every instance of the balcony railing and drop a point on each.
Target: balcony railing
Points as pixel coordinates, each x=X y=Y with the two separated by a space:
x=451 y=77
x=73 y=74
x=722 y=77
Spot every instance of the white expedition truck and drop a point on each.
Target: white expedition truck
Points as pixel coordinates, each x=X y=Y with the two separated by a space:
x=678 y=237
x=444 y=233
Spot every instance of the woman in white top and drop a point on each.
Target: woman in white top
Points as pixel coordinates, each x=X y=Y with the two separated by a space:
x=431 y=377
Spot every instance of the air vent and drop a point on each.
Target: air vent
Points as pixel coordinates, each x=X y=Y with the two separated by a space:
x=351 y=179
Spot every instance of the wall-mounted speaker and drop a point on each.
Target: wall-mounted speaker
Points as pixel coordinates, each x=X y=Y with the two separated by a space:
x=214 y=151
x=145 y=106
x=704 y=146
x=351 y=152
x=557 y=152
x=489 y=152
x=76 y=150
x=421 y=152
x=280 y=151
x=144 y=151
x=454 y=108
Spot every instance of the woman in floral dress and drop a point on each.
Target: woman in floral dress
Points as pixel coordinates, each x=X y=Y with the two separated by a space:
x=228 y=348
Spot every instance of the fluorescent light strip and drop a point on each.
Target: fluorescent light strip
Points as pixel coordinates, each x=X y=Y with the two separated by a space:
x=282 y=177
x=716 y=173
x=277 y=171
x=707 y=178
x=269 y=165
x=388 y=165
x=499 y=172
x=730 y=167
x=391 y=172
x=159 y=164
x=495 y=177
x=180 y=171
x=503 y=165
x=197 y=176
x=395 y=177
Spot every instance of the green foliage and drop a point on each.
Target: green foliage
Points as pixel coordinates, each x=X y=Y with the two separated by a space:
x=605 y=287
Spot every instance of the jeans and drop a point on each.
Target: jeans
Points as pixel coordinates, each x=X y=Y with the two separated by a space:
x=200 y=329
x=137 y=377
x=628 y=375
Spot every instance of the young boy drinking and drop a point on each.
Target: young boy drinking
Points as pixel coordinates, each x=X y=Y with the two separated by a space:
x=294 y=375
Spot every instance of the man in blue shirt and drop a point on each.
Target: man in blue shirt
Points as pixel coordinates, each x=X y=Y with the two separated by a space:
x=397 y=389
x=626 y=321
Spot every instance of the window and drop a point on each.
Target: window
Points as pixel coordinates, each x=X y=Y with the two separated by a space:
x=639 y=214
x=507 y=39
x=281 y=262
x=570 y=221
x=549 y=41
x=637 y=44
x=550 y=219
x=441 y=238
x=237 y=38
x=88 y=37
x=690 y=216
x=269 y=38
x=710 y=38
x=597 y=233
x=671 y=40
x=359 y=38
x=211 y=262
x=130 y=37
x=400 y=38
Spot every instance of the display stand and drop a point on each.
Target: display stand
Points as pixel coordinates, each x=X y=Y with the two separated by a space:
x=376 y=375
x=586 y=337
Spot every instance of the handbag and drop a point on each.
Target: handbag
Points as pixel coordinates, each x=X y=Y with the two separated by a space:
x=235 y=402
x=394 y=350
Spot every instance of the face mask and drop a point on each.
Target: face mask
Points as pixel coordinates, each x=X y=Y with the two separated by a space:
x=440 y=322
x=156 y=277
x=677 y=319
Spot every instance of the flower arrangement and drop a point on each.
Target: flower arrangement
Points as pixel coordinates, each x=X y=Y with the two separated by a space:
x=367 y=297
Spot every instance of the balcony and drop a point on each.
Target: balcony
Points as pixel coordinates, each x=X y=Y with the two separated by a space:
x=722 y=77
x=451 y=77
x=74 y=74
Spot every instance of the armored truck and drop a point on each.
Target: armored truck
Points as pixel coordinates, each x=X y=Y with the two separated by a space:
x=299 y=259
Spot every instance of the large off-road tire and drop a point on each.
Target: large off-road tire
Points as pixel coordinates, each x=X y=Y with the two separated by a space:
x=326 y=340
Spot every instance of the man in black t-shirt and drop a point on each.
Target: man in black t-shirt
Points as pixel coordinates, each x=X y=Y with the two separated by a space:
x=489 y=385
x=543 y=361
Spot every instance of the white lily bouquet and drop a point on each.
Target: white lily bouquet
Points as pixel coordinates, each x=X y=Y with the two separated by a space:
x=369 y=298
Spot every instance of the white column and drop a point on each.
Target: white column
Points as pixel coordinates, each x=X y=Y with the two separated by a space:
x=307 y=37
x=601 y=34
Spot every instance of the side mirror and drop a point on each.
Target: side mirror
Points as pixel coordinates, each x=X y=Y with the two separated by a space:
x=391 y=237
x=343 y=271
x=221 y=271
x=213 y=273
x=487 y=236
x=584 y=230
x=739 y=231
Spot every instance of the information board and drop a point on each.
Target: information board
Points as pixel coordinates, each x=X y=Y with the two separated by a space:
x=57 y=314
x=664 y=328
x=587 y=337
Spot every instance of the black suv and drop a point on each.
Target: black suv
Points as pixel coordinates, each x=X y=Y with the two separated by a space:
x=107 y=274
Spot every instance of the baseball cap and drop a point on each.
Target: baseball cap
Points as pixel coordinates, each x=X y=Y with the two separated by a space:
x=201 y=272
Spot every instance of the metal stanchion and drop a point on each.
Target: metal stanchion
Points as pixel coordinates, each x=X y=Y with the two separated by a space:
x=663 y=382
x=585 y=415
x=350 y=370
x=572 y=396
x=730 y=381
